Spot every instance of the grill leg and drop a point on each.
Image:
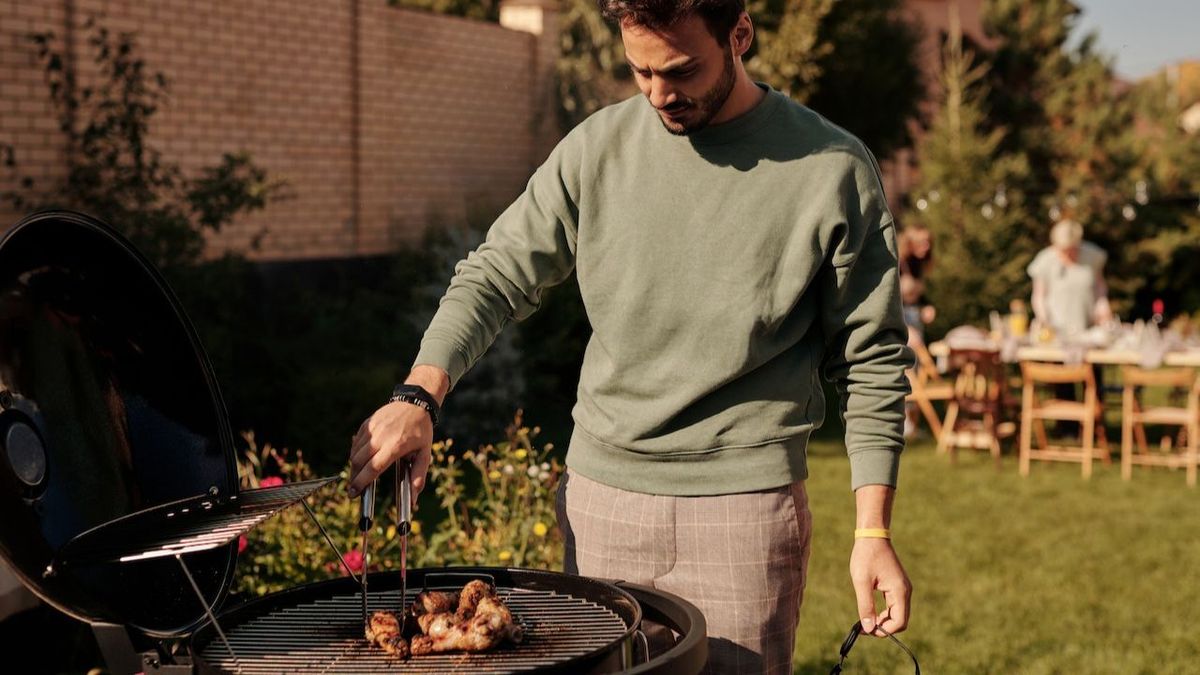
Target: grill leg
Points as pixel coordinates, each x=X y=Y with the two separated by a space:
x=117 y=648
x=208 y=611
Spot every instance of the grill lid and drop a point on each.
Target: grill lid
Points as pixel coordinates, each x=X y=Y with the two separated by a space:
x=108 y=405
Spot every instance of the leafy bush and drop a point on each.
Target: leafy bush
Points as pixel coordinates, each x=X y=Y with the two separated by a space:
x=496 y=508
x=115 y=173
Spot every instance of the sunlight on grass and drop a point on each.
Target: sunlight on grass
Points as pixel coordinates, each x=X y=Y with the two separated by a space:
x=1048 y=574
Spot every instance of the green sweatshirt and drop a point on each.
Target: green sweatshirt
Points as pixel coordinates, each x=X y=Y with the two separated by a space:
x=721 y=272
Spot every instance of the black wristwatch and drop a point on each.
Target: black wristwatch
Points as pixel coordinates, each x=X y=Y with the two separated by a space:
x=416 y=395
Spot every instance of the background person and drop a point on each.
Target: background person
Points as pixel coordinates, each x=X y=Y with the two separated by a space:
x=1069 y=293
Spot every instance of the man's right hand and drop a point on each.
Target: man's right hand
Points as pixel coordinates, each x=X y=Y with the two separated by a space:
x=395 y=431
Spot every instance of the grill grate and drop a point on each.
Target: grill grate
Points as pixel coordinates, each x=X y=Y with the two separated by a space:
x=327 y=636
x=186 y=526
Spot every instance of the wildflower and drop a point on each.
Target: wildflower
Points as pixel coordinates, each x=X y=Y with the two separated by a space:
x=354 y=561
x=494 y=474
x=540 y=529
x=533 y=472
x=545 y=466
x=270 y=481
x=242 y=544
x=545 y=475
x=508 y=469
x=520 y=454
x=505 y=556
x=416 y=527
x=391 y=532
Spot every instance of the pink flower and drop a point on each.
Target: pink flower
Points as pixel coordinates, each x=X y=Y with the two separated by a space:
x=354 y=561
x=242 y=544
x=270 y=481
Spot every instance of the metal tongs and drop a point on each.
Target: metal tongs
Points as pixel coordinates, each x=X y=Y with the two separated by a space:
x=367 y=517
x=403 y=480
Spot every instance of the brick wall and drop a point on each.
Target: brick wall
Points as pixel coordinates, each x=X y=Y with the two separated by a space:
x=380 y=119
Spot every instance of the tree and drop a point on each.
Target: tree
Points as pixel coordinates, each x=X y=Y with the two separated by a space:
x=1167 y=209
x=591 y=71
x=870 y=81
x=115 y=173
x=788 y=46
x=967 y=202
x=1098 y=152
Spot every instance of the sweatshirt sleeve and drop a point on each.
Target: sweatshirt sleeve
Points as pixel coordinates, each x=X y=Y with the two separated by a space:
x=865 y=338
x=530 y=247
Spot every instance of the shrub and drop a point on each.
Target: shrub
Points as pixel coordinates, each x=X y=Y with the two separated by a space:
x=497 y=508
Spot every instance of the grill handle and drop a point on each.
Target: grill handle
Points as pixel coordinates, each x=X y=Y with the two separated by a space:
x=645 y=642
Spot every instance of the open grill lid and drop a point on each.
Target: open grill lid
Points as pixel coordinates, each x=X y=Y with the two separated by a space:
x=108 y=405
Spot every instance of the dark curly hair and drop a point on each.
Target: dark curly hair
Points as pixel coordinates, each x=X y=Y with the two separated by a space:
x=719 y=15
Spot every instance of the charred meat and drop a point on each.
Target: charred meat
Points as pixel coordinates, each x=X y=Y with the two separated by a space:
x=384 y=630
x=477 y=620
x=481 y=623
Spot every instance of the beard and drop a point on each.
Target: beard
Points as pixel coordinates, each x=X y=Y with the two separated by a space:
x=701 y=111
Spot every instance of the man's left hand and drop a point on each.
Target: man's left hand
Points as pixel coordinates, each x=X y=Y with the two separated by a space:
x=874 y=566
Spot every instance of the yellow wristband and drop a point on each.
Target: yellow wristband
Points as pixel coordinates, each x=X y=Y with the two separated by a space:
x=872 y=533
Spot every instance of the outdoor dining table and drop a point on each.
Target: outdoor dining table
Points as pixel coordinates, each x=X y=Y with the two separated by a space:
x=1155 y=353
x=1060 y=354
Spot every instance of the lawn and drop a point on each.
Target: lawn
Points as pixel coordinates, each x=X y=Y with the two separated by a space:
x=1047 y=574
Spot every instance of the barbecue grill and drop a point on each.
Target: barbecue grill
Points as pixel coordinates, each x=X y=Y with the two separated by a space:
x=120 y=505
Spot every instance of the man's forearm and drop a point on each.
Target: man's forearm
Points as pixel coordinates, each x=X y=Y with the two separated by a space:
x=433 y=379
x=874 y=504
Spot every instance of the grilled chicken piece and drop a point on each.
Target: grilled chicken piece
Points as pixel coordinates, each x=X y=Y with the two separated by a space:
x=469 y=598
x=493 y=617
x=437 y=625
x=489 y=624
x=383 y=629
x=434 y=602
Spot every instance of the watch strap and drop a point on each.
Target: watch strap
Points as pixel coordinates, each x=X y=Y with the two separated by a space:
x=417 y=395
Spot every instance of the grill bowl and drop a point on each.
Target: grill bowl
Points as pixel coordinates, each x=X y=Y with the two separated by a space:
x=572 y=625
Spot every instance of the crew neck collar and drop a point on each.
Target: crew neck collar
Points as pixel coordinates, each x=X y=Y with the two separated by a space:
x=740 y=126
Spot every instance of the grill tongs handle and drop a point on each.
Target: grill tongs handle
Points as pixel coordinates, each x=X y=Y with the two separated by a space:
x=365 y=520
x=403 y=527
x=404 y=497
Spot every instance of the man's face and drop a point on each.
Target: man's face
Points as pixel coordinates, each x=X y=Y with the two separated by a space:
x=684 y=71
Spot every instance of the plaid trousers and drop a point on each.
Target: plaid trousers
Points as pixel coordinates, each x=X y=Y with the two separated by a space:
x=741 y=559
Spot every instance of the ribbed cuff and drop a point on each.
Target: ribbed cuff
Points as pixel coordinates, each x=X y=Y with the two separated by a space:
x=874 y=466
x=444 y=355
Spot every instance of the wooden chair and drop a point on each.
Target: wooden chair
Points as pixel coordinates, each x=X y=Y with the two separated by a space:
x=1034 y=410
x=975 y=415
x=1134 y=417
x=927 y=386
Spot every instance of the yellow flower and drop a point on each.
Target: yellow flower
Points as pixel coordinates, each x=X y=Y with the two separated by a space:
x=540 y=529
x=520 y=454
x=391 y=532
x=505 y=556
x=494 y=474
x=416 y=527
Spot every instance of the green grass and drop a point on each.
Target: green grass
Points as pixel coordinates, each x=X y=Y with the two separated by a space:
x=1047 y=574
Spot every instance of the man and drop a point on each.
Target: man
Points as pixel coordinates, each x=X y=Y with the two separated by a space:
x=727 y=242
x=1069 y=293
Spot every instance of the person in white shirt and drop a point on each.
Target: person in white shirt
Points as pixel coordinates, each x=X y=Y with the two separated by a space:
x=1069 y=293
